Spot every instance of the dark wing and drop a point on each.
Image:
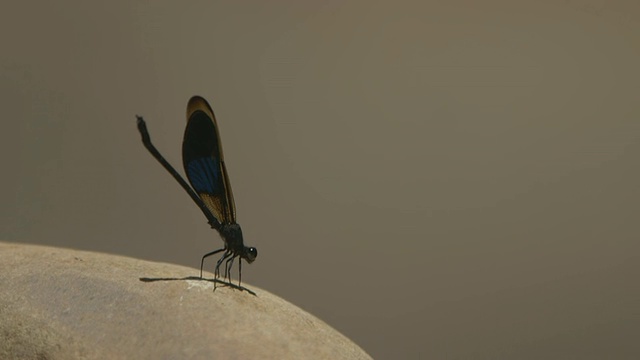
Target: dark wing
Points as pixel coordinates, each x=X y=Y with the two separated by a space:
x=204 y=163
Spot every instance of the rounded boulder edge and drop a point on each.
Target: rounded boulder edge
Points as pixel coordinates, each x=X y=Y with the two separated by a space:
x=58 y=303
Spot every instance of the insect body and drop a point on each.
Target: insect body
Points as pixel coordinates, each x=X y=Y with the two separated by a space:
x=210 y=187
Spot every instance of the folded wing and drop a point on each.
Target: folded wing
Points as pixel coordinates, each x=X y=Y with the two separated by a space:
x=203 y=161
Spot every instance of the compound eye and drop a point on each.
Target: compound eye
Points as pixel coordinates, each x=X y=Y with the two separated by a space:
x=251 y=254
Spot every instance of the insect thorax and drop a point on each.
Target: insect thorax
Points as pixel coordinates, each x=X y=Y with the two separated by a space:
x=232 y=235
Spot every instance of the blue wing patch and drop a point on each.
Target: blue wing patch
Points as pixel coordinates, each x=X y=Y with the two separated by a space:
x=204 y=175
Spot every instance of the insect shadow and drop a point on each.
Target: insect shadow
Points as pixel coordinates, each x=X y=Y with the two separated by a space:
x=215 y=281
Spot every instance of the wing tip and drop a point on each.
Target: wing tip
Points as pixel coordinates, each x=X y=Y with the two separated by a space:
x=199 y=103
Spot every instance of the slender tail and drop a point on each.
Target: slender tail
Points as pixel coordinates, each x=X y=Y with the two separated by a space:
x=146 y=140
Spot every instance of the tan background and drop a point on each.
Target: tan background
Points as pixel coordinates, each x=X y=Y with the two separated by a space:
x=444 y=181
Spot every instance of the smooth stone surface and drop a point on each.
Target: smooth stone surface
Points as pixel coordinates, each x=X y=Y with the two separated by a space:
x=67 y=304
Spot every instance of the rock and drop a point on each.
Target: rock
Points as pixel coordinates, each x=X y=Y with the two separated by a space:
x=68 y=304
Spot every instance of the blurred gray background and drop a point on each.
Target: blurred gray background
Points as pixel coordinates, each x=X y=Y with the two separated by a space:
x=434 y=180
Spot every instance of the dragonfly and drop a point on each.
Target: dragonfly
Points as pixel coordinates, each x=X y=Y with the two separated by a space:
x=210 y=188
